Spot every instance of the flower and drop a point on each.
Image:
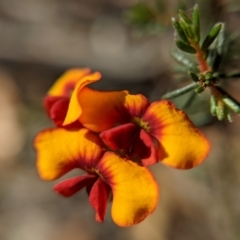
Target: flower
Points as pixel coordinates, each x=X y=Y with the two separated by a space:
x=132 y=126
x=157 y=131
x=70 y=102
x=57 y=99
x=133 y=188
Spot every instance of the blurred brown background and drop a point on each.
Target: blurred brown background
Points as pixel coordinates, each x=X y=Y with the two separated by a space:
x=39 y=40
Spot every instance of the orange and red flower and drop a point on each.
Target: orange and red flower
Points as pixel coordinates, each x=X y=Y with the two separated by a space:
x=143 y=131
x=57 y=99
x=133 y=188
x=134 y=131
x=157 y=131
x=70 y=101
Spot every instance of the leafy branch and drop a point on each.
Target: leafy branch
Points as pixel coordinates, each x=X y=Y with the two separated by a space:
x=208 y=54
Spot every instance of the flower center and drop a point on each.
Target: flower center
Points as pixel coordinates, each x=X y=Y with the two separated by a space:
x=94 y=171
x=144 y=125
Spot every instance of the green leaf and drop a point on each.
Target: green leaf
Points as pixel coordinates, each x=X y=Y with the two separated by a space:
x=229 y=116
x=211 y=36
x=216 y=62
x=208 y=76
x=179 y=91
x=195 y=16
x=213 y=105
x=221 y=40
x=193 y=76
x=187 y=29
x=221 y=110
x=181 y=59
x=232 y=104
x=229 y=101
x=199 y=89
x=230 y=75
x=214 y=59
x=196 y=23
x=185 y=47
x=179 y=30
x=206 y=54
x=196 y=33
x=185 y=17
x=140 y=14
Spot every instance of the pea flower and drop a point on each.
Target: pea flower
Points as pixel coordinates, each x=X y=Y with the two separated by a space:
x=157 y=131
x=132 y=187
x=57 y=99
x=136 y=129
x=70 y=102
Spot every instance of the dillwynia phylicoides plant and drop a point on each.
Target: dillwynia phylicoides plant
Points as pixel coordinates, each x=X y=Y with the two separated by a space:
x=209 y=53
x=113 y=136
x=201 y=57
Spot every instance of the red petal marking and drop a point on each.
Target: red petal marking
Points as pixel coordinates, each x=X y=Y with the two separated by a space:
x=98 y=198
x=68 y=88
x=136 y=105
x=135 y=142
x=49 y=101
x=69 y=187
x=57 y=108
x=120 y=137
x=146 y=149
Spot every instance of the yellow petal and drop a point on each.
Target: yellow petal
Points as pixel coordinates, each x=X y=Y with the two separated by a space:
x=135 y=191
x=181 y=144
x=60 y=150
x=68 y=80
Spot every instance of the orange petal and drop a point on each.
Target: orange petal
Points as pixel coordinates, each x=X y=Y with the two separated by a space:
x=135 y=191
x=97 y=110
x=60 y=150
x=181 y=144
x=65 y=84
x=75 y=109
x=100 y=110
x=136 y=105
